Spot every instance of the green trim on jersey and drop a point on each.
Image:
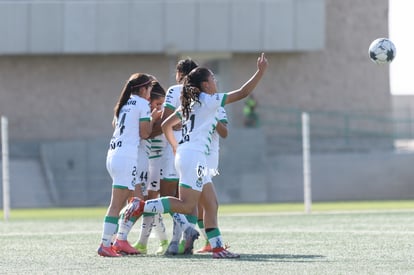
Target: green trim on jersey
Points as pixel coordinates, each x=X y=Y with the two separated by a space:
x=145 y=119
x=155 y=157
x=223 y=101
x=184 y=185
x=119 y=187
x=179 y=115
x=170 y=179
x=169 y=106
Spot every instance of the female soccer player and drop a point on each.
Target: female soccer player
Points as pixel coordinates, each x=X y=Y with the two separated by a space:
x=183 y=226
x=220 y=131
x=199 y=105
x=132 y=122
x=151 y=190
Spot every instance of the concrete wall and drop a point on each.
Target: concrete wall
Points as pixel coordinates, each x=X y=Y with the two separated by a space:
x=72 y=96
x=143 y=26
x=403 y=115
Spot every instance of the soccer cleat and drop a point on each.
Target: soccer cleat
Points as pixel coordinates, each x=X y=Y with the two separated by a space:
x=190 y=235
x=124 y=247
x=172 y=249
x=162 y=248
x=223 y=253
x=205 y=249
x=134 y=208
x=142 y=249
x=107 y=251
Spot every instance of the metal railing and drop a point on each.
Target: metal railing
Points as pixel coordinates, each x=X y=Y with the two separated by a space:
x=334 y=130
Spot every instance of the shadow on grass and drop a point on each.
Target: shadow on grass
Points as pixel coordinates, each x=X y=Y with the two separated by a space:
x=258 y=257
x=280 y=258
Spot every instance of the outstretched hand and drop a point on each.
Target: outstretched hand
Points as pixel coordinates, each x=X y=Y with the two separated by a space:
x=262 y=62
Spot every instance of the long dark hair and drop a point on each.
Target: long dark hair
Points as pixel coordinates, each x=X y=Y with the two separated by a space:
x=192 y=88
x=185 y=66
x=132 y=86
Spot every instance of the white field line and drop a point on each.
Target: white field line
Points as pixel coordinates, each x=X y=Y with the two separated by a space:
x=323 y=231
x=54 y=233
x=339 y=212
x=228 y=230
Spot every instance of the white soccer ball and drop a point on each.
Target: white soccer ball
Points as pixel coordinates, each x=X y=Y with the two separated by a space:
x=382 y=51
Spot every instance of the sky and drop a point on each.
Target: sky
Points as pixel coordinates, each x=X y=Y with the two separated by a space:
x=401 y=21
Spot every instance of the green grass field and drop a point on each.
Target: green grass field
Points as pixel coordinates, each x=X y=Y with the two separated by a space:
x=337 y=238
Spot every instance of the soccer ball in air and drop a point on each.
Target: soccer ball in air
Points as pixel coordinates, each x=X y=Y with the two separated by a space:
x=382 y=51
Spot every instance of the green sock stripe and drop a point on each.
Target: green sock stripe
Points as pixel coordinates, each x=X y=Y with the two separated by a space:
x=110 y=219
x=166 y=204
x=200 y=224
x=213 y=233
x=148 y=214
x=133 y=219
x=191 y=219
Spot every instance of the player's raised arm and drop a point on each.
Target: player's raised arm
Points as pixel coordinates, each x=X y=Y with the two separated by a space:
x=249 y=86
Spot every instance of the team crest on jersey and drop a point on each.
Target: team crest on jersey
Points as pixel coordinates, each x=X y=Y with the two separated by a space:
x=200 y=174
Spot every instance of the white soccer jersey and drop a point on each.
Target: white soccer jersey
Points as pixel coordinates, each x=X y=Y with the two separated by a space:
x=198 y=128
x=213 y=155
x=155 y=162
x=126 y=139
x=172 y=98
x=172 y=102
x=157 y=146
x=221 y=116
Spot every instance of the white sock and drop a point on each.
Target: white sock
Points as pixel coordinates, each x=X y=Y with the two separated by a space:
x=177 y=231
x=181 y=221
x=146 y=228
x=108 y=232
x=160 y=227
x=216 y=242
x=123 y=230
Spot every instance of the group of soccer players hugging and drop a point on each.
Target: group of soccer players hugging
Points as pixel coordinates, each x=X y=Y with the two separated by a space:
x=162 y=157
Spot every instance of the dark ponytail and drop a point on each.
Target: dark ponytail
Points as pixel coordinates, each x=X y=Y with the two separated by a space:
x=192 y=88
x=132 y=86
